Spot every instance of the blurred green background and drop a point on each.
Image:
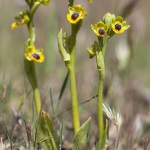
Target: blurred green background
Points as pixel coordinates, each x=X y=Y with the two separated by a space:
x=127 y=83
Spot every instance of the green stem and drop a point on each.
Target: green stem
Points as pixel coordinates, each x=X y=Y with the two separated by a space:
x=100 y=110
x=104 y=46
x=70 y=2
x=101 y=69
x=75 y=111
x=31 y=32
x=36 y=92
x=30 y=70
x=37 y=99
x=103 y=43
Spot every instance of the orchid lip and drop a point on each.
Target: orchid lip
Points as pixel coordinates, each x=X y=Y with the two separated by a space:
x=36 y=56
x=118 y=27
x=74 y=16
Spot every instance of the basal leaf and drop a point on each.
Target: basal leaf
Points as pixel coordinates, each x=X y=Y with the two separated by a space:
x=102 y=143
x=80 y=138
x=45 y=132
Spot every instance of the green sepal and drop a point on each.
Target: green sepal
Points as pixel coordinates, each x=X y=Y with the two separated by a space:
x=102 y=144
x=81 y=136
x=45 y=132
x=63 y=51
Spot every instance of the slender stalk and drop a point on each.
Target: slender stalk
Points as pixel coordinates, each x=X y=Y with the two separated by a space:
x=75 y=111
x=36 y=92
x=103 y=43
x=101 y=70
x=37 y=99
x=100 y=110
x=31 y=32
x=104 y=46
x=30 y=69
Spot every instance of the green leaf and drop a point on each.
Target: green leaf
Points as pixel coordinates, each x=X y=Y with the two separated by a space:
x=102 y=143
x=45 y=132
x=80 y=138
x=61 y=134
x=62 y=50
x=63 y=87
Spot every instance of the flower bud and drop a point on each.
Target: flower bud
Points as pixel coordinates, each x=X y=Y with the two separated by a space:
x=108 y=19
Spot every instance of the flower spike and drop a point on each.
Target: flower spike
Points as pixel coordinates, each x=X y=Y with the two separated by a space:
x=119 y=25
x=76 y=13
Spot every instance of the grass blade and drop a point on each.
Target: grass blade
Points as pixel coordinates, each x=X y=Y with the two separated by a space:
x=8 y=135
x=63 y=87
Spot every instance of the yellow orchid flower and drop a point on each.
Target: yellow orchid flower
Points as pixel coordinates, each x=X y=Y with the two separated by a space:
x=76 y=13
x=100 y=29
x=20 y=20
x=119 y=25
x=34 y=54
